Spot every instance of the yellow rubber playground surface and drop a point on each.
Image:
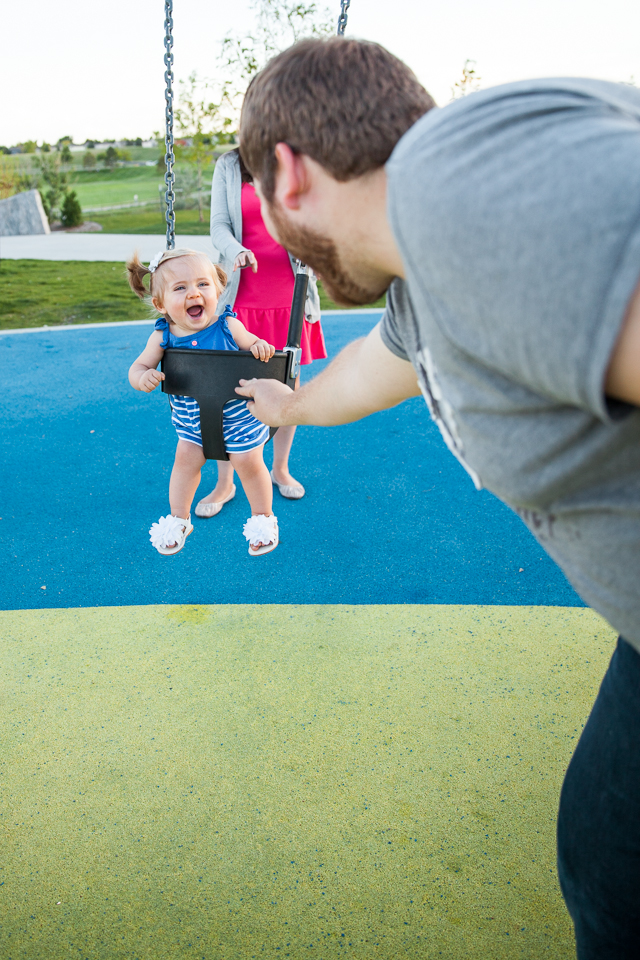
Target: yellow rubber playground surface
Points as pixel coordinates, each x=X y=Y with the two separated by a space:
x=236 y=781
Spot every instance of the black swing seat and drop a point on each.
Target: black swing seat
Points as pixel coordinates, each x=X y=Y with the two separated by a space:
x=211 y=376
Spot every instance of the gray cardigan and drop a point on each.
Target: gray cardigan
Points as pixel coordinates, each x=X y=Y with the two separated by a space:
x=226 y=231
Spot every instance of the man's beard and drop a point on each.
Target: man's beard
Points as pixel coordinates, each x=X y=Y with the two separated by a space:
x=321 y=254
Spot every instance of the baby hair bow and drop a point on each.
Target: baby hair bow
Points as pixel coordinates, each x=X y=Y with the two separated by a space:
x=155 y=263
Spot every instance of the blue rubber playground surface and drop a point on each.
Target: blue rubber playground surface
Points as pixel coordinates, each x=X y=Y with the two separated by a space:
x=389 y=516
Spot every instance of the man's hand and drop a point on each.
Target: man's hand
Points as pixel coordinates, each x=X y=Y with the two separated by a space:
x=245 y=259
x=364 y=378
x=149 y=380
x=268 y=401
x=262 y=350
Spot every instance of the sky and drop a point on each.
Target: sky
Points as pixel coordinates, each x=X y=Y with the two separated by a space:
x=95 y=71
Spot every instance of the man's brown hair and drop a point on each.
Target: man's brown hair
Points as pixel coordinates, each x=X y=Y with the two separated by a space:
x=344 y=103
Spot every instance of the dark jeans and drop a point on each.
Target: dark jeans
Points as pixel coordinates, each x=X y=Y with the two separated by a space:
x=599 y=819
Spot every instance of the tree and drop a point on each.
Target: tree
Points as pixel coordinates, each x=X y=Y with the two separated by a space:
x=65 y=154
x=47 y=177
x=29 y=146
x=45 y=148
x=52 y=183
x=71 y=211
x=109 y=157
x=468 y=82
x=202 y=121
x=277 y=24
x=89 y=160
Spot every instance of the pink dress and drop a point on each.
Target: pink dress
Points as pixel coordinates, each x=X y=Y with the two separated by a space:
x=263 y=302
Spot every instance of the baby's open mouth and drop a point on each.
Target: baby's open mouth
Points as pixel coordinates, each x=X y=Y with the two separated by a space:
x=195 y=312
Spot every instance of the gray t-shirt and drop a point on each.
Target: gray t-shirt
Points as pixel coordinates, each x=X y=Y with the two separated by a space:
x=517 y=215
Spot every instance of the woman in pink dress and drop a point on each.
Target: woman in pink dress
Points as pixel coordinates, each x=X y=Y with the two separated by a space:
x=261 y=296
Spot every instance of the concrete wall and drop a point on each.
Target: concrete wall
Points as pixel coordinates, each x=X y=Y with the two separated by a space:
x=23 y=214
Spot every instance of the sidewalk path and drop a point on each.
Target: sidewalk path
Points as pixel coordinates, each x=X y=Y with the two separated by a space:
x=93 y=246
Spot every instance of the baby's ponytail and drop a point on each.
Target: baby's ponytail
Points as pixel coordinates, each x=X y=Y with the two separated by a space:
x=136 y=271
x=221 y=275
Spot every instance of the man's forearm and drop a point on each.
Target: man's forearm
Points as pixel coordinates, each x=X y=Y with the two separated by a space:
x=364 y=377
x=332 y=397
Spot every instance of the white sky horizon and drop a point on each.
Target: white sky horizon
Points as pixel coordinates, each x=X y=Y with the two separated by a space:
x=97 y=73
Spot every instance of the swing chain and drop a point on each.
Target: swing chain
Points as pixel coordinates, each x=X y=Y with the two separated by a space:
x=169 y=157
x=342 y=19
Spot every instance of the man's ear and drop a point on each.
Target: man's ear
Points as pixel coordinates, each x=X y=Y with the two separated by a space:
x=292 y=178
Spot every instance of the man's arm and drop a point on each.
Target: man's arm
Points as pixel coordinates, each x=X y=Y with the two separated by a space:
x=364 y=378
x=623 y=376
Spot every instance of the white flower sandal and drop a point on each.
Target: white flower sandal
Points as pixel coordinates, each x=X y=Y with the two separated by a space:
x=170 y=530
x=211 y=509
x=261 y=529
x=288 y=490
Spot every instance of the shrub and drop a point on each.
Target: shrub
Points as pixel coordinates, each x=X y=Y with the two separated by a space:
x=71 y=211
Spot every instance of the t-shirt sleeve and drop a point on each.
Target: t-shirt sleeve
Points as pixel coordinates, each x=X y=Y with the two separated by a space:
x=389 y=326
x=517 y=214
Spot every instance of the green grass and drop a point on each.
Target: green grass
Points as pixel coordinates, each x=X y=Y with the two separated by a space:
x=52 y=292
x=38 y=292
x=118 y=175
x=97 y=188
x=149 y=220
x=101 y=187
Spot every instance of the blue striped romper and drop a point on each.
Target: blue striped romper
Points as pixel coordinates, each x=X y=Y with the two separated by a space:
x=240 y=430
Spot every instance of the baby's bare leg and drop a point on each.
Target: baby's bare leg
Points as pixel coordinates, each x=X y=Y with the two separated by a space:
x=185 y=477
x=255 y=479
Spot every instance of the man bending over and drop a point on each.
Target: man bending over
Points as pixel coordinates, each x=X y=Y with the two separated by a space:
x=506 y=230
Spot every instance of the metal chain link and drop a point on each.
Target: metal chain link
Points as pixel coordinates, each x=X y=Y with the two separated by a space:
x=342 y=19
x=169 y=158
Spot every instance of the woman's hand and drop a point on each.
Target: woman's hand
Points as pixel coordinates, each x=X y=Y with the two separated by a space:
x=245 y=259
x=149 y=380
x=262 y=350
